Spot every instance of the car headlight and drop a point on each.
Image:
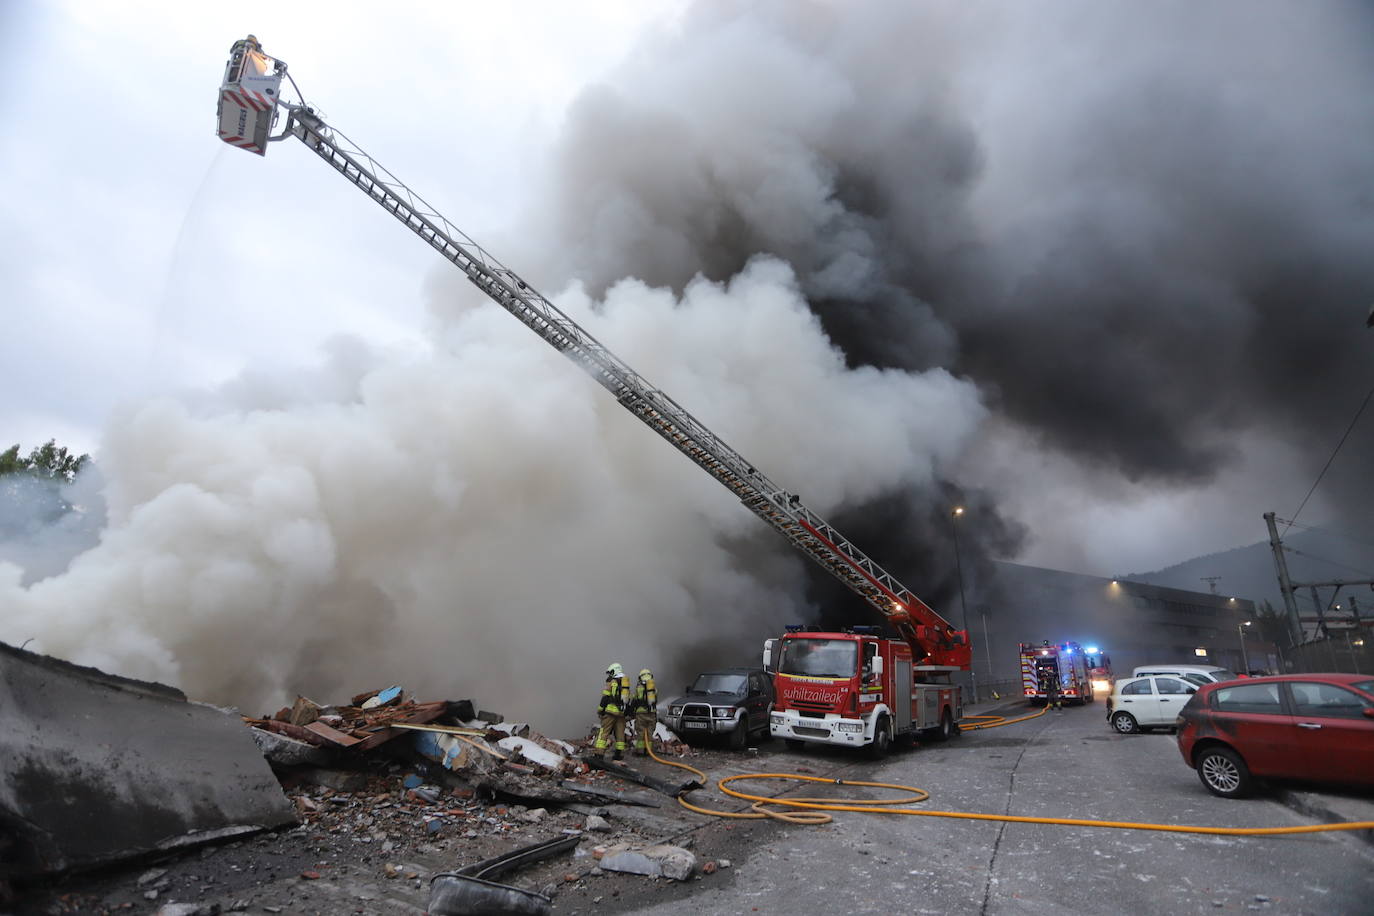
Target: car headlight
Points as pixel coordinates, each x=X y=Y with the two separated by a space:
x=674 y=710
x=722 y=712
x=778 y=720
x=851 y=726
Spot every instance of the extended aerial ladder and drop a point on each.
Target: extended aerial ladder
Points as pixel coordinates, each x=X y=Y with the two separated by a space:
x=245 y=116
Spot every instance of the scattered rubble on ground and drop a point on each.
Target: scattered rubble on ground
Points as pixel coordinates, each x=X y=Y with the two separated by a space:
x=386 y=791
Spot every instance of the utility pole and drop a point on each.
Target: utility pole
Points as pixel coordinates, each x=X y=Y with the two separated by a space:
x=1321 y=611
x=1285 y=586
x=1211 y=582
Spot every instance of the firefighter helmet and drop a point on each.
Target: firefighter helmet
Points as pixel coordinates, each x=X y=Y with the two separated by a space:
x=646 y=675
x=614 y=670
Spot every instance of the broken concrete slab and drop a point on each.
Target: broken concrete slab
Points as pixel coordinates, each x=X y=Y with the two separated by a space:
x=534 y=753
x=661 y=860
x=676 y=863
x=96 y=768
x=284 y=751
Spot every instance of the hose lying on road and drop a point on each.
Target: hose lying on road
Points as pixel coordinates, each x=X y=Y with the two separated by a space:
x=814 y=811
x=995 y=721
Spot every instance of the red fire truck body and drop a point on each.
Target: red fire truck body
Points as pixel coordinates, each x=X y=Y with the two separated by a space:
x=1065 y=662
x=857 y=689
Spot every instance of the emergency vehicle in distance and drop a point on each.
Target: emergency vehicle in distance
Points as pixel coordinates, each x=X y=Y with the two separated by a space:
x=869 y=689
x=1065 y=662
x=1099 y=670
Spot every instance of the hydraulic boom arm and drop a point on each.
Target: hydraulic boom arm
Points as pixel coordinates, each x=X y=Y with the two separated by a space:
x=931 y=637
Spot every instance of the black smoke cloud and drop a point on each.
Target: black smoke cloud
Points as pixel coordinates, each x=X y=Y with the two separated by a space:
x=1144 y=231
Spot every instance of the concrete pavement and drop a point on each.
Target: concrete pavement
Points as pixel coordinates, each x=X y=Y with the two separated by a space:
x=1067 y=764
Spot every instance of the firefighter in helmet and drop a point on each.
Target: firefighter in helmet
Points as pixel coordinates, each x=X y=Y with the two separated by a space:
x=1049 y=686
x=615 y=703
x=645 y=709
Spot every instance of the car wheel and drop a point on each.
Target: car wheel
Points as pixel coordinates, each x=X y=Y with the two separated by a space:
x=1224 y=773
x=794 y=744
x=882 y=739
x=1125 y=723
x=740 y=736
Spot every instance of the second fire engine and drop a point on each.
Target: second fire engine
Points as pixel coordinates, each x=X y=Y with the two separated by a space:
x=1065 y=663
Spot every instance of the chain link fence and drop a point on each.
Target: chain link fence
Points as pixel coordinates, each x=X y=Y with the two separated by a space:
x=1346 y=653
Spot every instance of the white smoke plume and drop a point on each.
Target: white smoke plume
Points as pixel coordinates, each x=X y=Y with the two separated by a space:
x=481 y=519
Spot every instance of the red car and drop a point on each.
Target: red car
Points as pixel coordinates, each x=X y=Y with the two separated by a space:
x=1290 y=726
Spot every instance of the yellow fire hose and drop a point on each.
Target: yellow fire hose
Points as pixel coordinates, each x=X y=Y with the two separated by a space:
x=995 y=721
x=813 y=811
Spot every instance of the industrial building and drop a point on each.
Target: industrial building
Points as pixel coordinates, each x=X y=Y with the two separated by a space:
x=1134 y=623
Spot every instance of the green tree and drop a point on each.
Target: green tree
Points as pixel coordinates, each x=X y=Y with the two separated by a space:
x=1273 y=625
x=48 y=461
x=31 y=488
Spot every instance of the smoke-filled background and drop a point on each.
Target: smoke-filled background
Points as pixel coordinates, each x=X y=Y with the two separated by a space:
x=1096 y=273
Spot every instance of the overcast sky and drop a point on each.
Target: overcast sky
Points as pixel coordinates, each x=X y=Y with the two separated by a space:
x=1101 y=272
x=142 y=257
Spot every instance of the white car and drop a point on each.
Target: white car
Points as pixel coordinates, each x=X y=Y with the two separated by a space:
x=1142 y=703
x=1201 y=674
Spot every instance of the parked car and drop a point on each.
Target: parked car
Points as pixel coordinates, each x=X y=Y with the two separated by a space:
x=1202 y=673
x=730 y=701
x=1316 y=727
x=1138 y=704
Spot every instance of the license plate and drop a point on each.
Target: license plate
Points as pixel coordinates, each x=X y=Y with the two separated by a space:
x=695 y=724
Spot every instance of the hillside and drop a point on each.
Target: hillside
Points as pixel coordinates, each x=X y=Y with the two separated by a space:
x=1248 y=572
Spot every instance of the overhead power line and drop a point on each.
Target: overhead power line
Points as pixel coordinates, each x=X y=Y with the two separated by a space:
x=1354 y=420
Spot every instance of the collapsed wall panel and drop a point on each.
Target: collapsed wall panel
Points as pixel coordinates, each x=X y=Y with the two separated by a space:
x=96 y=768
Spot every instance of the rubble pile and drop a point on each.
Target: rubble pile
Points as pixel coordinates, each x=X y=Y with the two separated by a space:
x=478 y=747
x=396 y=776
x=359 y=801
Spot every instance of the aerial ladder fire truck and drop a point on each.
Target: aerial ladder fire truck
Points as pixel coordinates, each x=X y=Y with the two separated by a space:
x=886 y=699
x=1064 y=663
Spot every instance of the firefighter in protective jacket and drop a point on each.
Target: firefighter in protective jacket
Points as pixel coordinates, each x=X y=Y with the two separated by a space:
x=645 y=709
x=1049 y=686
x=615 y=703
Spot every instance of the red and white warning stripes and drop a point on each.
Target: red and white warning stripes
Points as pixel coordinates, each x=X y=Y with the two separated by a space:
x=241 y=142
x=247 y=98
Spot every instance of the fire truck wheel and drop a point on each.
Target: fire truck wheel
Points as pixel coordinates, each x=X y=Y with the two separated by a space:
x=1125 y=723
x=882 y=739
x=740 y=736
x=946 y=729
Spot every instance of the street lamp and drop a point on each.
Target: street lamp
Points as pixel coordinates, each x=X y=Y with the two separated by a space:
x=959 y=567
x=1244 y=657
x=958 y=564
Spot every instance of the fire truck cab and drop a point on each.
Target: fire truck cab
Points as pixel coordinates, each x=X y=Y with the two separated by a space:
x=1099 y=670
x=857 y=689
